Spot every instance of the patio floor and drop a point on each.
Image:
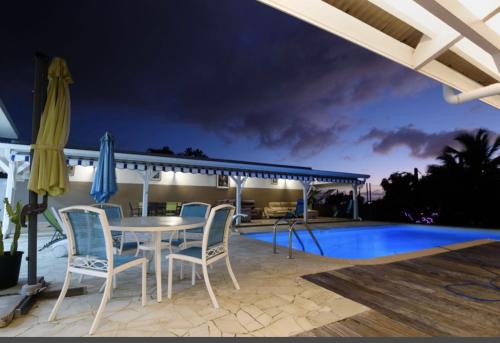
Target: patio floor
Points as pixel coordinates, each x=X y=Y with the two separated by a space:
x=274 y=300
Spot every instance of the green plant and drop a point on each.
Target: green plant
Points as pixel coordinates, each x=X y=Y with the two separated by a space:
x=15 y=218
x=1 y=241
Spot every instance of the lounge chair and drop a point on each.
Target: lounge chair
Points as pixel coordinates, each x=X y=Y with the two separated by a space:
x=91 y=253
x=214 y=247
x=171 y=208
x=53 y=219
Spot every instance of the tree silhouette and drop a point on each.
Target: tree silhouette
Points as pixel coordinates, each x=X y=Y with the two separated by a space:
x=463 y=188
x=467 y=180
x=188 y=152
x=163 y=151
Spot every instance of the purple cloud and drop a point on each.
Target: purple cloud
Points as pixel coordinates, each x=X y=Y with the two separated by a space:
x=421 y=144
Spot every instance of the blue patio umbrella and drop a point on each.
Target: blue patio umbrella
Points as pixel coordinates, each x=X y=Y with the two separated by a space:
x=104 y=185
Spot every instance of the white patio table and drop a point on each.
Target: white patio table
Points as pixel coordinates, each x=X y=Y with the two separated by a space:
x=156 y=226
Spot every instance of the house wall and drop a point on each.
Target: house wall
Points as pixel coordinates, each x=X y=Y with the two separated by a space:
x=183 y=187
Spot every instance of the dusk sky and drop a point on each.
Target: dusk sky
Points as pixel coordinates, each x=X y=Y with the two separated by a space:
x=236 y=78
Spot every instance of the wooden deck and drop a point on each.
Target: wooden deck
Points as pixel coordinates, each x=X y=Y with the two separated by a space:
x=408 y=298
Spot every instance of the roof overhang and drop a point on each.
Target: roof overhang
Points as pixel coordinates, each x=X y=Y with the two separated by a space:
x=7 y=128
x=456 y=42
x=141 y=162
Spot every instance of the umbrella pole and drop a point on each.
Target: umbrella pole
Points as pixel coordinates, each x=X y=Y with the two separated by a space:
x=39 y=97
x=34 y=285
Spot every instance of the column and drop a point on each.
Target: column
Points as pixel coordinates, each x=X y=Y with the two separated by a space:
x=10 y=191
x=238 y=180
x=306 y=187
x=355 y=214
x=146 y=177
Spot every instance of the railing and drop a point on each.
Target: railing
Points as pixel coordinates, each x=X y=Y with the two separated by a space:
x=292 y=222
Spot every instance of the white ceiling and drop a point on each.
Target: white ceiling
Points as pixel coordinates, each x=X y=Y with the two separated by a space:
x=7 y=128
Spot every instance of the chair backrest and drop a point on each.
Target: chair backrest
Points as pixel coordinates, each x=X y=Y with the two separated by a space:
x=113 y=211
x=216 y=231
x=195 y=209
x=89 y=238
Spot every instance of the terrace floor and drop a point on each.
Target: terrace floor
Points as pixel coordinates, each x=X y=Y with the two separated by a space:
x=408 y=298
x=400 y=295
x=274 y=300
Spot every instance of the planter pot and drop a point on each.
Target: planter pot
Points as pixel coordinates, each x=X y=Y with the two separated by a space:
x=9 y=269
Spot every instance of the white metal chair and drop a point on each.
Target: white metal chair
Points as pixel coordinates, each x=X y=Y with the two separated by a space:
x=214 y=247
x=90 y=252
x=192 y=209
x=114 y=211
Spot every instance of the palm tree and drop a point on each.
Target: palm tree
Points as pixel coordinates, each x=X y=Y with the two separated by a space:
x=467 y=178
x=476 y=155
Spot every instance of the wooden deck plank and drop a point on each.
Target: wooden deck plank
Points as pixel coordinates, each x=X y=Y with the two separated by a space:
x=367 y=324
x=408 y=298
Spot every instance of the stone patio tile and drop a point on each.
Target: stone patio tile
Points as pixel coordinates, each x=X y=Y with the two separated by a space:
x=248 y=321
x=200 y=331
x=344 y=307
x=229 y=324
x=213 y=330
x=252 y=310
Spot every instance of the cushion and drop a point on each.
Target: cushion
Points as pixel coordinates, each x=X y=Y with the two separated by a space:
x=193 y=252
x=119 y=260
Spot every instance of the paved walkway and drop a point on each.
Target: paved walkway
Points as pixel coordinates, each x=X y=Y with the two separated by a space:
x=274 y=300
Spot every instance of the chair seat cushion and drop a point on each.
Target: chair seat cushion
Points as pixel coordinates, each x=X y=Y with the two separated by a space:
x=193 y=252
x=119 y=260
x=126 y=245
x=195 y=230
x=180 y=241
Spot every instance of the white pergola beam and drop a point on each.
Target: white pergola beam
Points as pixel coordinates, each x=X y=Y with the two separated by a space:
x=331 y=19
x=453 y=13
x=439 y=37
x=430 y=48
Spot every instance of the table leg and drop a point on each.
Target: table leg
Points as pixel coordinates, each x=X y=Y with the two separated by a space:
x=158 y=265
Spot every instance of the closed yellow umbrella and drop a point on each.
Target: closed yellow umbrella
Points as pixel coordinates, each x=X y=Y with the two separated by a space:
x=49 y=175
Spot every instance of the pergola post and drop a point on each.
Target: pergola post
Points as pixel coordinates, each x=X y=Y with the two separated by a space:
x=10 y=191
x=306 y=187
x=355 y=211
x=146 y=177
x=239 y=181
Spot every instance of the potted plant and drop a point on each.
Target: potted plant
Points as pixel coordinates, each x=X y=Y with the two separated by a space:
x=10 y=261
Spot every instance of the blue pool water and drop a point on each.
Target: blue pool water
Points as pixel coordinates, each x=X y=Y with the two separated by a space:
x=377 y=241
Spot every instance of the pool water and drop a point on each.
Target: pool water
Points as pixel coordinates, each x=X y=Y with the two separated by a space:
x=377 y=241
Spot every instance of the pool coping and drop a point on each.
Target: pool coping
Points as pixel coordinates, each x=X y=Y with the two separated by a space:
x=378 y=260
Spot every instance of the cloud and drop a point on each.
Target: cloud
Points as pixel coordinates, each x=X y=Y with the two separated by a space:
x=244 y=70
x=421 y=144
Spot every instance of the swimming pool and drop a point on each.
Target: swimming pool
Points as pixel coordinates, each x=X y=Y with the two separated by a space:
x=378 y=241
